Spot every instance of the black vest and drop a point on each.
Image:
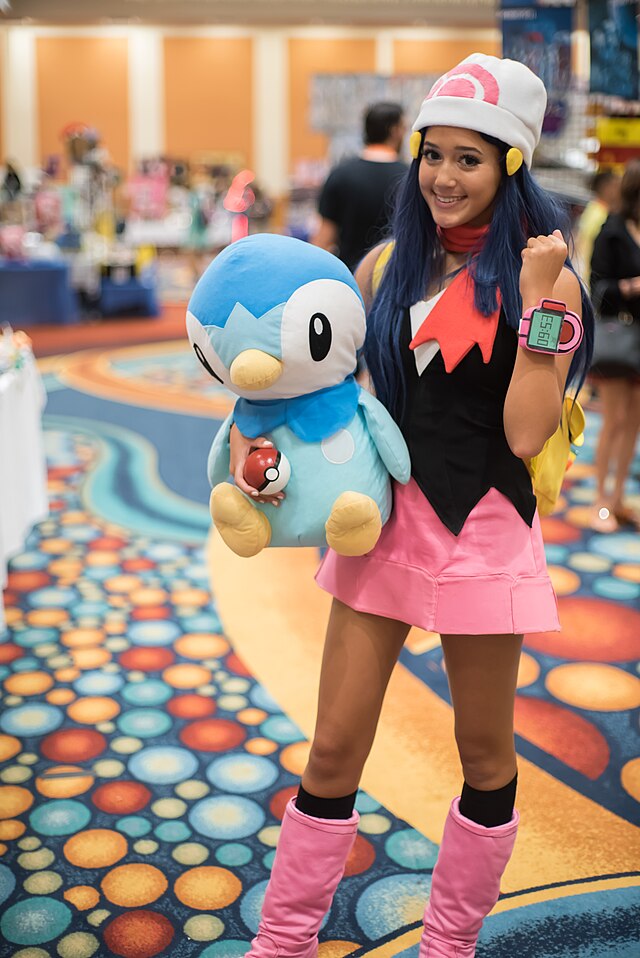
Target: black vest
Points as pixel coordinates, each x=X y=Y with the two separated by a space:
x=453 y=426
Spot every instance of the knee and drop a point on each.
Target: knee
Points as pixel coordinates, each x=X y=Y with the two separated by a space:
x=334 y=758
x=488 y=760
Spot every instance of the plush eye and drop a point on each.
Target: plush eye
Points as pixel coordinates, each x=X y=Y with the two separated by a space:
x=320 y=336
x=203 y=348
x=203 y=359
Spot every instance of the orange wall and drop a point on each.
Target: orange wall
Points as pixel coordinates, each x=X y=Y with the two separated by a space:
x=83 y=79
x=208 y=95
x=307 y=57
x=437 y=56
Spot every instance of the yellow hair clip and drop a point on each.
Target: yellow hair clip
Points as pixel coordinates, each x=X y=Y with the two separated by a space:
x=414 y=144
x=514 y=160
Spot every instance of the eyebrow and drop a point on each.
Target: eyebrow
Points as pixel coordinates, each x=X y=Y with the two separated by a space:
x=466 y=149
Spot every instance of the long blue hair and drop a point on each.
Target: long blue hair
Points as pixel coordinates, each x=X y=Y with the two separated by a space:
x=522 y=209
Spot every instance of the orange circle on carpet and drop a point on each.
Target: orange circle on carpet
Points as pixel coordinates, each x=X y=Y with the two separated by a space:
x=93 y=709
x=149 y=659
x=82 y=638
x=201 y=646
x=9 y=746
x=95 y=848
x=131 y=886
x=28 y=683
x=601 y=688
x=73 y=745
x=11 y=829
x=630 y=778
x=14 y=800
x=82 y=897
x=191 y=706
x=207 y=887
x=593 y=629
x=64 y=781
x=212 y=735
x=294 y=757
x=186 y=676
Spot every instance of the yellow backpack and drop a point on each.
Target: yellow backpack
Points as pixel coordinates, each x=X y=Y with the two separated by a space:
x=548 y=468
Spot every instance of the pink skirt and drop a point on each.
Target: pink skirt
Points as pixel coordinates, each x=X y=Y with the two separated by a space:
x=491 y=579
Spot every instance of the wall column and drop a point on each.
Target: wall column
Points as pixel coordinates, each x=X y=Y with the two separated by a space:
x=146 y=93
x=271 y=111
x=19 y=108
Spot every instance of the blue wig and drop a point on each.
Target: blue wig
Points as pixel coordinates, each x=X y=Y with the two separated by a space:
x=523 y=209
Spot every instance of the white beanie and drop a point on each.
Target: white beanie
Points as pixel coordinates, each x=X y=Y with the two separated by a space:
x=500 y=98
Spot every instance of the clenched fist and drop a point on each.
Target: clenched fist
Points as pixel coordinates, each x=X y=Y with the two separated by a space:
x=542 y=260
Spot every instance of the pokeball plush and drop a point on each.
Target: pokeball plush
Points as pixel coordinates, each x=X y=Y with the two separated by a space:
x=267 y=470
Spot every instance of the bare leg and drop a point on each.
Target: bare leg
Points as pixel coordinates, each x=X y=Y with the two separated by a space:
x=626 y=447
x=615 y=397
x=482 y=672
x=359 y=655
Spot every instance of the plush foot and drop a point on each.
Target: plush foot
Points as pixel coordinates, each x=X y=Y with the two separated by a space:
x=244 y=528
x=354 y=525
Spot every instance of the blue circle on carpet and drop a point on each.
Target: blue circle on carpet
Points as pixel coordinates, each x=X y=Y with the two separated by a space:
x=281 y=729
x=173 y=832
x=7 y=883
x=242 y=774
x=234 y=855
x=35 y=920
x=144 y=722
x=261 y=699
x=98 y=683
x=134 y=826
x=154 y=632
x=163 y=765
x=30 y=561
x=410 y=849
x=232 y=948
x=26 y=664
x=609 y=588
x=33 y=719
x=391 y=903
x=226 y=817
x=30 y=637
x=147 y=692
x=621 y=546
x=60 y=817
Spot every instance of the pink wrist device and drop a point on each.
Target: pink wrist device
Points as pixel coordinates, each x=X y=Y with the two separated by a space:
x=550 y=328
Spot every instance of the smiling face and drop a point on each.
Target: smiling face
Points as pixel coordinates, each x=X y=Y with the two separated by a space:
x=459 y=176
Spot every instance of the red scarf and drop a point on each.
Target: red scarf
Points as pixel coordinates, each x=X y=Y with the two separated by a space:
x=454 y=322
x=463 y=239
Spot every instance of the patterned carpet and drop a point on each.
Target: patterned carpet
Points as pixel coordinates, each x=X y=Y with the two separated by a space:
x=150 y=737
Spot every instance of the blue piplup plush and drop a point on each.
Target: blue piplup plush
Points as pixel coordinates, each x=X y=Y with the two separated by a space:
x=279 y=323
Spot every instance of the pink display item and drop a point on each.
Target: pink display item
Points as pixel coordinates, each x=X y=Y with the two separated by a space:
x=309 y=863
x=465 y=884
x=491 y=579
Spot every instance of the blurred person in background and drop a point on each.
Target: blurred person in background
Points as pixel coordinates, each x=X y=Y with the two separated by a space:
x=605 y=187
x=356 y=201
x=615 y=288
x=11 y=185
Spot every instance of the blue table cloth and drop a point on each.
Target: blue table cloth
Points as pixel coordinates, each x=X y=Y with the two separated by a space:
x=132 y=297
x=34 y=292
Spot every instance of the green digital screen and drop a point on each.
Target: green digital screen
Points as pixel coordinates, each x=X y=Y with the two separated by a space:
x=545 y=329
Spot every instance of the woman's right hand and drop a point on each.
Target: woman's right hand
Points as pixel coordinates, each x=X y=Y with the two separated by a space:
x=239 y=448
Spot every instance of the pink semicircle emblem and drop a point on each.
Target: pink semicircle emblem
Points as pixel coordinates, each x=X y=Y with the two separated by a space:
x=460 y=82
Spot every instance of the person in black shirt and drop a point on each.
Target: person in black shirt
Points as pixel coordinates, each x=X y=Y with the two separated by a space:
x=356 y=201
x=615 y=287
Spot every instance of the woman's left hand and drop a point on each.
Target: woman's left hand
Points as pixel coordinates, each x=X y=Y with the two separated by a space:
x=542 y=260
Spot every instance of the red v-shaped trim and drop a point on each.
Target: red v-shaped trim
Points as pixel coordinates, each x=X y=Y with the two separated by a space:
x=457 y=325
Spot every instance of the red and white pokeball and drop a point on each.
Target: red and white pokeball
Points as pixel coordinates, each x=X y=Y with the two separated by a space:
x=267 y=470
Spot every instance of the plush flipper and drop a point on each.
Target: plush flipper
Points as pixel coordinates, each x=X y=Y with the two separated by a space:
x=244 y=528
x=354 y=525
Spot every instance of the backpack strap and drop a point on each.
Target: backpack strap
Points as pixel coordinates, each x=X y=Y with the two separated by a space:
x=378 y=270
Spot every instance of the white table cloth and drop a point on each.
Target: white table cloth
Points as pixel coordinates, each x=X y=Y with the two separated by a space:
x=23 y=474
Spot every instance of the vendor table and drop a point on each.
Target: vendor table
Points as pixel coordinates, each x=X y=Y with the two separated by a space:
x=36 y=291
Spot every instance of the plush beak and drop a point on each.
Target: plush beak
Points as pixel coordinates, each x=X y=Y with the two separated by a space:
x=255 y=370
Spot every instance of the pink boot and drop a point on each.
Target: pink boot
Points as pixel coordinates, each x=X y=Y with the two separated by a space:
x=465 y=885
x=309 y=863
